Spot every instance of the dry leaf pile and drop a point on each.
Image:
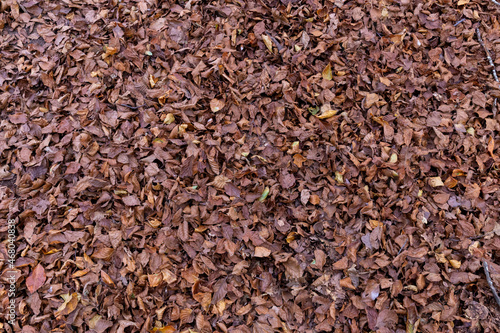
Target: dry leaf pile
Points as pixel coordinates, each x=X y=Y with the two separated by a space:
x=250 y=166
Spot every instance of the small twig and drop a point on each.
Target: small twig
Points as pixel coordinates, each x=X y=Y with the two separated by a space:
x=490 y=61
x=490 y=283
x=402 y=247
x=495 y=2
x=460 y=21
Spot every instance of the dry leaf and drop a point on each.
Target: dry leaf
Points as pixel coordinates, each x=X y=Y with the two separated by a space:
x=69 y=305
x=216 y=105
x=262 y=252
x=268 y=42
x=326 y=112
x=327 y=72
x=435 y=181
x=36 y=279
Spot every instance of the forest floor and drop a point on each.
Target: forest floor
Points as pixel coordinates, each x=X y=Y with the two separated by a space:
x=249 y=166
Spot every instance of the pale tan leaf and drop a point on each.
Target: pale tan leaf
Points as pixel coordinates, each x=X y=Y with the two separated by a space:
x=268 y=42
x=327 y=72
x=216 y=105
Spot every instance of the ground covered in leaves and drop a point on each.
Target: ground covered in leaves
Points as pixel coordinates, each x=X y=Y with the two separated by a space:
x=250 y=166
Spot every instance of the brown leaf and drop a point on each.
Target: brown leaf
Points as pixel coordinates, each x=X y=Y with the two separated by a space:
x=36 y=279
x=341 y=264
x=103 y=253
x=371 y=99
x=287 y=180
x=261 y=252
x=216 y=105
x=293 y=269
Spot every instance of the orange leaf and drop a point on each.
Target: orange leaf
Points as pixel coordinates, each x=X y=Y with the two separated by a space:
x=103 y=253
x=298 y=160
x=69 y=305
x=107 y=279
x=164 y=329
x=491 y=146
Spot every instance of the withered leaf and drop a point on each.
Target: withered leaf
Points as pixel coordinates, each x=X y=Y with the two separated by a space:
x=36 y=279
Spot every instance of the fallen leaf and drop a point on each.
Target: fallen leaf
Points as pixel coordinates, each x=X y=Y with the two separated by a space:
x=267 y=40
x=327 y=72
x=435 y=181
x=326 y=112
x=216 y=105
x=36 y=279
x=261 y=252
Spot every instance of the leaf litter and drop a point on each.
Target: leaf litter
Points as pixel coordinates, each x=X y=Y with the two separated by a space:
x=259 y=166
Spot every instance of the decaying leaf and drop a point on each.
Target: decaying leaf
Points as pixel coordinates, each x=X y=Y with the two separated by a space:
x=435 y=181
x=216 y=105
x=267 y=40
x=326 y=112
x=36 y=279
x=261 y=251
x=256 y=166
x=327 y=72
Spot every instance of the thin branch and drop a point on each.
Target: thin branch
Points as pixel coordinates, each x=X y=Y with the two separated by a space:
x=495 y=2
x=490 y=283
x=490 y=61
x=402 y=247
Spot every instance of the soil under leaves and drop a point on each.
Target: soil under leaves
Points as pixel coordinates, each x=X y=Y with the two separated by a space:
x=250 y=166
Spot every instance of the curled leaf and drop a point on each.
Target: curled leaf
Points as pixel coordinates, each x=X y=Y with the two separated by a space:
x=268 y=42
x=326 y=112
x=264 y=195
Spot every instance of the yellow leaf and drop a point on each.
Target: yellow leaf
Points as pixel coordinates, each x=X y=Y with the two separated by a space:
x=109 y=51
x=268 y=42
x=169 y=118
x=93 y=322
x=51 y=251
x=154 y=223
x=455 y=263
x=291 y=237
x=326 y=112
x=152 y=81
x=462 y=2
x=339 y=177
x=458 y=173
x=327 y=72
